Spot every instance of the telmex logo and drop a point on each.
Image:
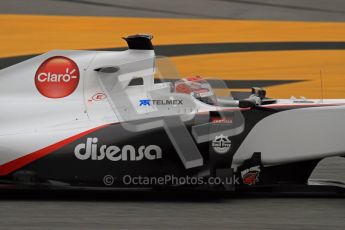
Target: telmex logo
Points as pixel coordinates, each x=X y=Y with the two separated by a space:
x=91 y=151
x=57 y=77
x=149 y=102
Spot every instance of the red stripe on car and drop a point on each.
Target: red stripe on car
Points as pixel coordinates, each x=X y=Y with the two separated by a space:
x=24 y=160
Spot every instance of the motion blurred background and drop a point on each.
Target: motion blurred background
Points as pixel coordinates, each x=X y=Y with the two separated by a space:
x=285 y=46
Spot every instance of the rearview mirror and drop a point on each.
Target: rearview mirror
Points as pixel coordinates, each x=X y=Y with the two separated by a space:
x=246 y=103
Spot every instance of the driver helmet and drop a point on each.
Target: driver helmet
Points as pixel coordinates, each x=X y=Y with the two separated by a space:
x=198 y=88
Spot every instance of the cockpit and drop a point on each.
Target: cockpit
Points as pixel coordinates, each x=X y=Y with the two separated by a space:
x=197 y=87
x=200 y=89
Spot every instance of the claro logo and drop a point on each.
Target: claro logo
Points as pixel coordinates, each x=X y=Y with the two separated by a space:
x=91 y=151
x=57 y=77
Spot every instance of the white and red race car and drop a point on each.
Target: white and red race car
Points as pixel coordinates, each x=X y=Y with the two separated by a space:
x=98 y=119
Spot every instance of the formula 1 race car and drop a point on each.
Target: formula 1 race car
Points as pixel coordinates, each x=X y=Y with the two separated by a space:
x=109 y=120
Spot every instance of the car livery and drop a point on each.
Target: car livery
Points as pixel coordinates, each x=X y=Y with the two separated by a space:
x=77 y=118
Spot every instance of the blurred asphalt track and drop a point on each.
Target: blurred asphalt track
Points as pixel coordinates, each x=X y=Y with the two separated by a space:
x=301 y=10
x=142 y=211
